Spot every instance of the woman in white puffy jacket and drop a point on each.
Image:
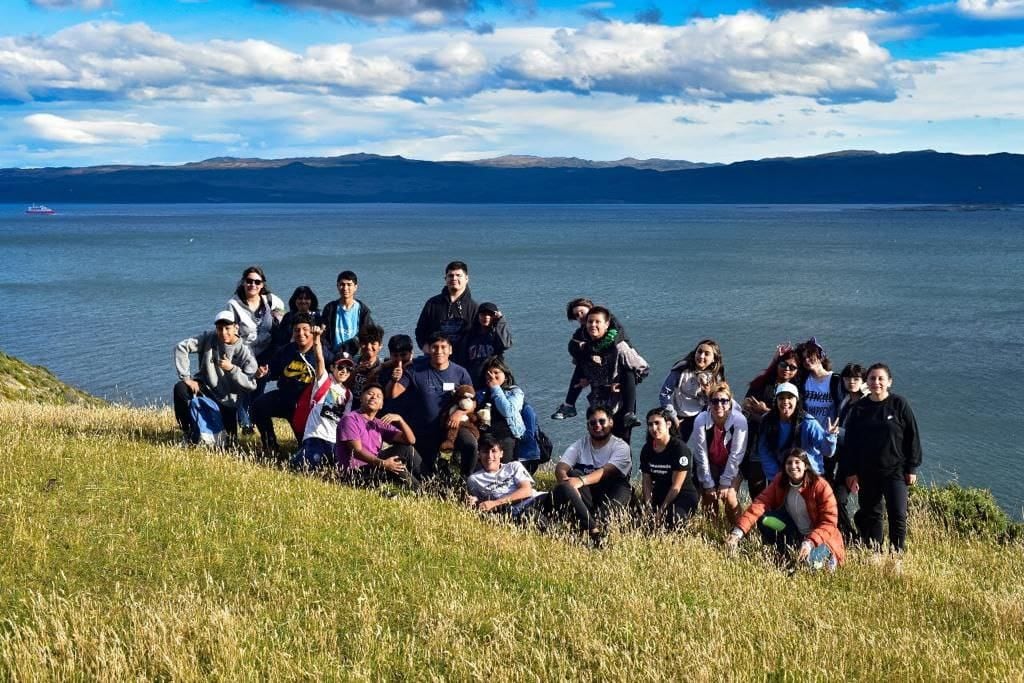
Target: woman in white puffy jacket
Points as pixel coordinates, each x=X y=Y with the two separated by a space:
x=718 y=443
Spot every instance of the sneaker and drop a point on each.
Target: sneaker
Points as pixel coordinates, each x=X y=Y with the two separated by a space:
x=629 y=421
x=564 y=412
x=248 y=429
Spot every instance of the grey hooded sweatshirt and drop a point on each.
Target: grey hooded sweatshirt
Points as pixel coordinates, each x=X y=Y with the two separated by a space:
x=225 y=386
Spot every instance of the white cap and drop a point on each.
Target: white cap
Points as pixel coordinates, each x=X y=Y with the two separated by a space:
x=224 y=317
x=787 y=388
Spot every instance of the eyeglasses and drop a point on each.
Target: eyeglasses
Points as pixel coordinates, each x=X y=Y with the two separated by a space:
x=721 y=401
x=788 y=366
x=598 y=422
x=253 y=282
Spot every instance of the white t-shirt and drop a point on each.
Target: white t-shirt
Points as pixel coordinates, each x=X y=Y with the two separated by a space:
x=494 y=485
x=818 y=399
x=323 y=419
x=584 y=457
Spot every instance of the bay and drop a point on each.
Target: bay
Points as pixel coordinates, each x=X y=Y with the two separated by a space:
x=101 y=293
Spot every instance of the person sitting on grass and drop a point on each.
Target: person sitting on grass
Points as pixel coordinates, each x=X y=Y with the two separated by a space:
x=719 y=442
x=500 y=487
x=797 y=516
x=592 y=477
x=227 y=369
x=361 y=436
x=330 y=399
x=666 y=462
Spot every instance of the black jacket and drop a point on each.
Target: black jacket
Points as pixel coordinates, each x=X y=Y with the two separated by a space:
x=440 y=314
x=329 y=319
x=882 y=440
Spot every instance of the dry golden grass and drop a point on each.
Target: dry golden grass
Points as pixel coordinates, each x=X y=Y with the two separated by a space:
x=129 y=557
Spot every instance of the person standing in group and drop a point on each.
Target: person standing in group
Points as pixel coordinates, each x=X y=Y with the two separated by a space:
x=294 y=368
x=506 y=401
x=592 y=477
x=576 y=311
x=344 y=317
x=758 y=402
x=718 y=443
x=360 y=452
x=853 y=382
x=610 y=367
x=431 y=381
x=822 y=389
x=303 y=300
x=488 y=337
x=257 y=312
x=796 y=512
x=226 y=370
x=684 y=393
x=669 y=493
x=883 y=454
x=451 y=312
x=789 y=426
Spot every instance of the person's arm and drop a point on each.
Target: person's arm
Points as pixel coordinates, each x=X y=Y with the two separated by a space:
x=699 y=448
x=569 y=459
x=824 y=441
x=318 y=349
x=522 y=491
x=404 y=434
x=665 y=394
x=911 y=446
x=678 y=478
x=243 y=372
x=502 y=334
x=181 y=362
x=647 y=486
x=399 y=381
x=737 y=450
x=828 y=516
x=770 y=499
x=510 y=405
x=392 y=464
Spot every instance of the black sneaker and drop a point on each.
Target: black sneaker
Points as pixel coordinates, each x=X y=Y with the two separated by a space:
x=629 y=421
x=564 y=412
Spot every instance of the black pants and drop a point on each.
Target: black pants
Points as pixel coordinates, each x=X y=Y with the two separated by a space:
x=268 y=406
x=784 y=541
x=573 y=394
x=463 y=453
x=368 y=475
x=182 y=395
x=590 y=503
x=753 y=474
x=681 y=508
x=895 y=492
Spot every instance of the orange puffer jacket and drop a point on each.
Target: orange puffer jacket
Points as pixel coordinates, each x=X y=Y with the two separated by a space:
x=821 y=508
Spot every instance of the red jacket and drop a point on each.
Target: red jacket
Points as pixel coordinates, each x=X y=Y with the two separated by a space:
x=821 y=508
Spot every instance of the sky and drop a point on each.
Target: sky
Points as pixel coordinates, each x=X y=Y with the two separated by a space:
x=92 y=82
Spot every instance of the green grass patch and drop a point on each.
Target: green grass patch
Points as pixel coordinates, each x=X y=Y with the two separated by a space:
x=128 y=556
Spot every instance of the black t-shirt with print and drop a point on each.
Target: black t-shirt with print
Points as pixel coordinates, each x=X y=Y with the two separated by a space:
x=675 y=458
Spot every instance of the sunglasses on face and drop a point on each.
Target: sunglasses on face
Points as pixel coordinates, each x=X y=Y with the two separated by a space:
x=253 y=282
x=721 y=401
x=788 y=366
x=597 y=422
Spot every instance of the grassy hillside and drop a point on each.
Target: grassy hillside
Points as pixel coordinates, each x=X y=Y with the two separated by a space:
x=20 y=381
x=129 y=557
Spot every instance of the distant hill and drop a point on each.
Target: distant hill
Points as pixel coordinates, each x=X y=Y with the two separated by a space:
x=528 y=161
x=924 y=177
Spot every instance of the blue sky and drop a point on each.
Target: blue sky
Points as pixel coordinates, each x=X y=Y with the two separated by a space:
x=86 y=82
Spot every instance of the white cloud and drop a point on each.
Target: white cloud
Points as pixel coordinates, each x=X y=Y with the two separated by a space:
x=60 y=129
x=219 y=138
x=88 y=5
x=992 y=9
x=418 y=10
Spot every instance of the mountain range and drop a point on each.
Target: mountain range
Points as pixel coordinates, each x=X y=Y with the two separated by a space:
x=852 y=176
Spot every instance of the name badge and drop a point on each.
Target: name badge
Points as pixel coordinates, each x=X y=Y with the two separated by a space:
x=448 y=386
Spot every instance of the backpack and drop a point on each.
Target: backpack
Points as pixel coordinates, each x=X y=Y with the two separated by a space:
x=534 y=445
x=209 y=425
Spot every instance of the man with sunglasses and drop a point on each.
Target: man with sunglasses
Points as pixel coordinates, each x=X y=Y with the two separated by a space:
x=592 y=477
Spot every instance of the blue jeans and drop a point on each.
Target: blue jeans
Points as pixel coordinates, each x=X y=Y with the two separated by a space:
x=313 y=454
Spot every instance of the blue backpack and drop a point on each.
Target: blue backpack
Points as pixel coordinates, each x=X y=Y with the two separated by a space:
x=208 y=422
x=534 y=444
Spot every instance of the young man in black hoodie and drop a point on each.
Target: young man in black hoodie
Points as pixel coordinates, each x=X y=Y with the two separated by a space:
x=451 y=312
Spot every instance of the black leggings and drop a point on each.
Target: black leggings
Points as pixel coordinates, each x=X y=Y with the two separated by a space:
x=895 y=492
x=835 y=479
x=463 y=454
x=368 y=475
x=588 y=504
x=573 y=394
x=268 y=406
x=182 y=396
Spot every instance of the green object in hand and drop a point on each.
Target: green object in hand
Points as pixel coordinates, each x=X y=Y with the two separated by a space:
x=773 y=523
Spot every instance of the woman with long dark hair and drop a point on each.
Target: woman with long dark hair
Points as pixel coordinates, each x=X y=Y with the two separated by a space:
x=788 y=426
x=257 y=311
x=883 y=449
x=506 y=401
x=758 y=402
x=684 y=392
x=666 y=463
x=797 y=512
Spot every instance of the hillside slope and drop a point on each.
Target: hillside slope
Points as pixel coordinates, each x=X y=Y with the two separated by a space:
x=130 y=557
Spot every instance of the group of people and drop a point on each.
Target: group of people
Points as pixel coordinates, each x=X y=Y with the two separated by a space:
x=803 y=438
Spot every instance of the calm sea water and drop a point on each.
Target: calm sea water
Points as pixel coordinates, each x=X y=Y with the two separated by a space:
x=101 y=293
